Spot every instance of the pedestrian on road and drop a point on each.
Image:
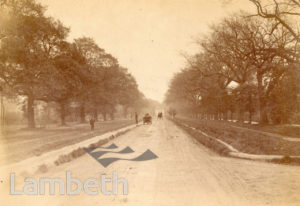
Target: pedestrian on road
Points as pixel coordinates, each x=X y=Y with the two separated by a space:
x=136 y=119
x=92 y=123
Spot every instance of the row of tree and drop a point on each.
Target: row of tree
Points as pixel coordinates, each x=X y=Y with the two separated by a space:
x=37 y=62
x=248 y=63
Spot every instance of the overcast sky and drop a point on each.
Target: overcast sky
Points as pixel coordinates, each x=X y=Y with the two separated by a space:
x=147 y=36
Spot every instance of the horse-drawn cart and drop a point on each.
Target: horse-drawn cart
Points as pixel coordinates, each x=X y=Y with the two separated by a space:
x=147 y=119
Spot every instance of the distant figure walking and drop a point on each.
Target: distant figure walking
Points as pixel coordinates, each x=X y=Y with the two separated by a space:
x=92 y=123
x=160 y=115
x=136 y=119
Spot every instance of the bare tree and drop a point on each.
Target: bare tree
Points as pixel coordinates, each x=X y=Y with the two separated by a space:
x=248 y=51
x=283 y=11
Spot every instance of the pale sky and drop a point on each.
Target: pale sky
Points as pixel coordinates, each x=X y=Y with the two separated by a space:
x=146 y=36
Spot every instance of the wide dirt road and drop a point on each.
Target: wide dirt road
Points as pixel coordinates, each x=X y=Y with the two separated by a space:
x=185 y=173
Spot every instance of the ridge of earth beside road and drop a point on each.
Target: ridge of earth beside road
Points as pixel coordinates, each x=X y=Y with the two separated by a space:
x=226 y=148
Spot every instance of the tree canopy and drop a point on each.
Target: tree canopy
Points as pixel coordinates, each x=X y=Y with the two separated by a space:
x=240 y=68
x=37 y=62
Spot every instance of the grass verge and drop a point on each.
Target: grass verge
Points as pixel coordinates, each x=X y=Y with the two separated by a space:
x=245 y=141
x=36 y=142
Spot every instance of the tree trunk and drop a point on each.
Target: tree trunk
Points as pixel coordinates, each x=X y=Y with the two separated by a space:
x=63 y=113
x=225 y=115
x=241 y=114
x=104 y=116
x=250 y=108
x=250 y=117
x=125 y=112
x=82 y=113
x=261 y=101
x=263 y=113
x=95 y=114
x=30 y=111
x=112 y=116
x=219 y=116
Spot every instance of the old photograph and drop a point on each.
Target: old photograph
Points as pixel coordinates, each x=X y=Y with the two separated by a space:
x=150 y=102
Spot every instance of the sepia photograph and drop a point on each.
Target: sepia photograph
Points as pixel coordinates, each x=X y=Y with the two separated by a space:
x=150 y=102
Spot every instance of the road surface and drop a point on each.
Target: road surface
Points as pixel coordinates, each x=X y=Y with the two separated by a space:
x=185 y=173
